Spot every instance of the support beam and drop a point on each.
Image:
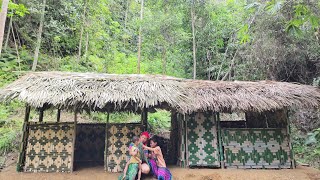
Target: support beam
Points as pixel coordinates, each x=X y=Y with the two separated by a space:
x=108 y=116
x=58 y=115
x=220 y=141
x=27 y=113
x=144 y=119
x=41 y=115
x=186 y=141
x=106 y=144
x=74 y=138
x=174 y=134
x=293 y=164
x=24 y=139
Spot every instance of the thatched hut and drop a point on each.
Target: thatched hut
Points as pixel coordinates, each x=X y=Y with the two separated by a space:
x=200 y=138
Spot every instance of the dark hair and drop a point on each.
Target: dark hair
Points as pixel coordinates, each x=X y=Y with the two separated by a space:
x=135 y=139
x=157 y=140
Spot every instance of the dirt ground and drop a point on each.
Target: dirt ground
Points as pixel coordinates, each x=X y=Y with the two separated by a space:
x=96 y=173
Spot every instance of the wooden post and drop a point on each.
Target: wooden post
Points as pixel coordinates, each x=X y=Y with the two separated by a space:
x=293 y=164
x=220 y=140
x=144 y=118
x=58 y=115
x=174 y=134
x=24 y=139
x=41 y=115
x=74 y=139
x=186 y=141
x=106 y=145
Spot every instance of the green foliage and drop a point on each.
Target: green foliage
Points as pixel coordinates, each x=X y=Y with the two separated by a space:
x=307 y=147
x=274 y=39
x=17 y=9
x=160 y=120
x=316 y=81
x=9 y=128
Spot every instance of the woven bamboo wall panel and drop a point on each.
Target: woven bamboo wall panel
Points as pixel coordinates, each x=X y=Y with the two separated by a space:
x=202 y=140
x=118 y=138
x=90 y=142
x=49 y=148
x=256 y=148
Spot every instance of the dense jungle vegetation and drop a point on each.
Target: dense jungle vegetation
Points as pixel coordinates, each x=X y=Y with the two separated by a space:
x=203 y=39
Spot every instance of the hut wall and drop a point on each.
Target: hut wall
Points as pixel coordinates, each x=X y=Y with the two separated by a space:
x=90 y=143
x=118 y=138
x=202 y=142
x=49 y=147
x=256 y=148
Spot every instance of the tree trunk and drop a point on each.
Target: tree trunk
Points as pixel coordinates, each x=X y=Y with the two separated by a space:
x=139 y=40
x=3 y=17
x=16 y=47
x=231 y=67
x=126 y=14
x=8 y=34
x=193 y=41
x=164 y=61
x=125 y=22
x=209 y=63
x=87 y=44
x=36 y=52
x=82 y=29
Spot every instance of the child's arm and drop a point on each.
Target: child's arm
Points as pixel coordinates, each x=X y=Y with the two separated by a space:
x=149 y=148
x=138 y=159
x=133 y=152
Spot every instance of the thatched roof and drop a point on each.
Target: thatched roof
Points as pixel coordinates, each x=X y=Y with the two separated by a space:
x=109 y=92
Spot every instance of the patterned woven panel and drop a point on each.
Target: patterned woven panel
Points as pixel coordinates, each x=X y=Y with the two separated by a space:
x=118 y=138
x=90 y=142
x=202 y=140
x=256 y=148
x=50 y=147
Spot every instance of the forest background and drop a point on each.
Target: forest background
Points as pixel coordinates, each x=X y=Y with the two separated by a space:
x=224 y=40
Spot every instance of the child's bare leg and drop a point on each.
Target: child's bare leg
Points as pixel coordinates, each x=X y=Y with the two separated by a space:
x=139 y=173
x=125 y=170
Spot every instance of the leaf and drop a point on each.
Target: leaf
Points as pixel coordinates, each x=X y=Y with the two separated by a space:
x=301 y=10
x=252 y=5
x=293 y=28
x=311 y=139
x=314 y=21
x=274 y=6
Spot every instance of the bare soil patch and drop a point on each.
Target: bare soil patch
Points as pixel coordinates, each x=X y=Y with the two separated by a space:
x=96 y=173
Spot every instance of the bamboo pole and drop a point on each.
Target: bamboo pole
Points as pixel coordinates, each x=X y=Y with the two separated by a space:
x=74 y=139
x=106 y=144
x=24 y=139
x=144 y=119
x=58 y=115
x=220 y=140
x=41 y=115
x=293 y=164
x=186 y=141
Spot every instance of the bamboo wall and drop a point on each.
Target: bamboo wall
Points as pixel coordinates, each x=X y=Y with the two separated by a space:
x=90 y=143
x=49 y=147
x=202 y=141
x=118 y=139
x=256 y=148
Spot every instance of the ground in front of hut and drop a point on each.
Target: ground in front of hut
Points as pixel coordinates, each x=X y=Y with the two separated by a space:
x=96 y=173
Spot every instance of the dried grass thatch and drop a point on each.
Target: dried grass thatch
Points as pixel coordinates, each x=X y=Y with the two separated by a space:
x=109 y=92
